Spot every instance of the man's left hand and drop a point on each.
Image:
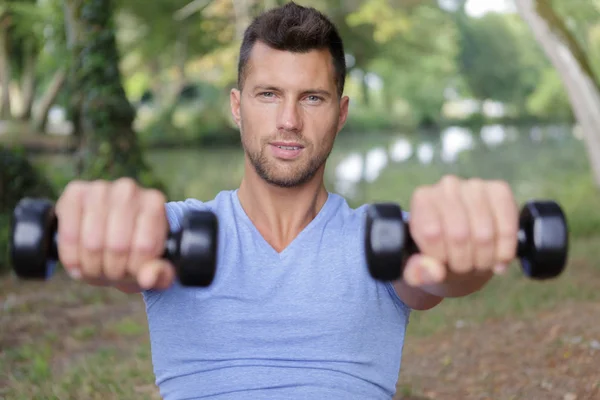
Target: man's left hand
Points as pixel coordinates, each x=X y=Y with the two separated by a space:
x=465 y=230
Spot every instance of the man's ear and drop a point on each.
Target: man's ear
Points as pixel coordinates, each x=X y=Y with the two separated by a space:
x=234 y=102
x=344 y=102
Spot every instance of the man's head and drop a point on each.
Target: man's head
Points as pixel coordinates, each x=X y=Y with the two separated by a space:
x=289 y=104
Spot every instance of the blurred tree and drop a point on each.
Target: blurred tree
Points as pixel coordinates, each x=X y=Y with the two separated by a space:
x=572 y=64
x=103 y=113
x=6 y=24
x=165 y=35
x=497 y=60
x=35 y=39
x=411 y=45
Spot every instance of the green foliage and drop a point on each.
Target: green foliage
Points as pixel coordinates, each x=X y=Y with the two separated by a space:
x=549 y=100
x=498 y=58
x=18 y=179
x=199 y=115
x=111 y=144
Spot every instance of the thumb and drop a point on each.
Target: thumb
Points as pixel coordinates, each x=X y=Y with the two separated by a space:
x=156 y=274
x=423 y=270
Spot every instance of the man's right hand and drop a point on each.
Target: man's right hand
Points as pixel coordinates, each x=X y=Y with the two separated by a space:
x=113 y=233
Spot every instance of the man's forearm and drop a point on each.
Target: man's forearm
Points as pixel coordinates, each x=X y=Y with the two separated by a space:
x=459 y=285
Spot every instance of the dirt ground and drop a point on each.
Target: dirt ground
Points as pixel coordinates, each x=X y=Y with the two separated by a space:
x=555 y=356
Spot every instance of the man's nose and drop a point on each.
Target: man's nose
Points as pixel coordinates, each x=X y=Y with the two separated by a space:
x=289 y=116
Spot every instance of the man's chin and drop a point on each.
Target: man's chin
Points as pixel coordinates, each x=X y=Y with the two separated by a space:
x=286 y=182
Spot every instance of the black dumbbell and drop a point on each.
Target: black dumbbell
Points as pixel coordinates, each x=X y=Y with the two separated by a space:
x=34 y=253
x=542 y=240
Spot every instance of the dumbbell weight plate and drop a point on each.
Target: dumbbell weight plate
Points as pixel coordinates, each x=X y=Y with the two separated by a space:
x=543 y=239
x=32 y=252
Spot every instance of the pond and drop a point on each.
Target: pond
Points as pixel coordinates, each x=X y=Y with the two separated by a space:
x=388 y=167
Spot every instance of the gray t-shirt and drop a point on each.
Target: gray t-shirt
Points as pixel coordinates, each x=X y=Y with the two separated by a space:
x=306 y=323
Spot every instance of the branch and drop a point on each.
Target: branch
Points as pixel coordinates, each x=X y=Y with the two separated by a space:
x=545 y=10
x=189 y=9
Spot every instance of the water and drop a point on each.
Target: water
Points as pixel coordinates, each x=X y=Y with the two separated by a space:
x=388 y=167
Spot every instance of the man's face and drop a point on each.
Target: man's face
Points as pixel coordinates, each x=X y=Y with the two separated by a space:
x=289 y=113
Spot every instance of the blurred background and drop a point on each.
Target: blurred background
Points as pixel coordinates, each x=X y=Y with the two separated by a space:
x=498 y=89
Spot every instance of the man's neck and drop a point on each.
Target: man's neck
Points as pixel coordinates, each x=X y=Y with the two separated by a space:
x=280 y=214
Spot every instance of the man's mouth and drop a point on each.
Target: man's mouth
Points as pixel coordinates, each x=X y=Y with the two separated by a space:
x=288 y=145
x=286 y=150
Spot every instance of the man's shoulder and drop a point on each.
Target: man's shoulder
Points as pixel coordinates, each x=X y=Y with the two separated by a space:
x=177 y=209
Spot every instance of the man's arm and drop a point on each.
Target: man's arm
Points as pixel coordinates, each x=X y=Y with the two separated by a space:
x=426 y=295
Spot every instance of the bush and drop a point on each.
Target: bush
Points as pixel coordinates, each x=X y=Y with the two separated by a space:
x=200 y=116
x=18 y=179
x=372 y=120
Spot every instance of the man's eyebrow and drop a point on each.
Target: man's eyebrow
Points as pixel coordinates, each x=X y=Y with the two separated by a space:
x=272 y=88
x=322 y=92
x=268 y=88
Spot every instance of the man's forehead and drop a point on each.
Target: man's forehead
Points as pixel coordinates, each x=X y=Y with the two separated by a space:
x=267 y=62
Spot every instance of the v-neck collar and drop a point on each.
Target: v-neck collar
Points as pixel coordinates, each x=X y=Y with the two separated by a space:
x=239 y=210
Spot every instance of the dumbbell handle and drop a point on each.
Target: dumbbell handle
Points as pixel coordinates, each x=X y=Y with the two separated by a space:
x=542 y=240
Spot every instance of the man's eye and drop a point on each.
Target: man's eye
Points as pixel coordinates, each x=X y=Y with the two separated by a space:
x=314 y=98
x=267 y=94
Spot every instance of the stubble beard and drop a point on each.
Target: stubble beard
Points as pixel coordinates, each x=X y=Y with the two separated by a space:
x=293 y=176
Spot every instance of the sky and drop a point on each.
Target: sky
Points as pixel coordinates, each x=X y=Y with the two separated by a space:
x=478 y=8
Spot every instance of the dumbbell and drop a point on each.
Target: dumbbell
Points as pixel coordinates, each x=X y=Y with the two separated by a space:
x=34 y=252
x=542 y=243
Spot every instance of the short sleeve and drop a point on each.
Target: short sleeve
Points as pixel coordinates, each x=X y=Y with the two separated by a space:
x=175 y=211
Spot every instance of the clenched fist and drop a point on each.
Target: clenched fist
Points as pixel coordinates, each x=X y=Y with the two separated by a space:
x=113 y=233
x=461 y=226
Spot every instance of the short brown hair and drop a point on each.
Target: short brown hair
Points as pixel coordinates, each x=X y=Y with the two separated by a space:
x=297 y=29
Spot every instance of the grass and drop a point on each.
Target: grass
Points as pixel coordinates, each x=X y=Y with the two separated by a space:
x=63 y=340
x=517 y=296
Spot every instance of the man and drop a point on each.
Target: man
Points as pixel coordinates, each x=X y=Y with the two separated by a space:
x=293 y=312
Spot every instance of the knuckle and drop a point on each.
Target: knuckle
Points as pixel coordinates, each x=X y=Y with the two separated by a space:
x=483 y=236
x=458 y=234
x=145 y=242
x=154 y=201
x=500 y=188
x=72 y=191
x=420 y=198
x=508 y=232
x=430 y=232
x=124 y=188
x=117 y=246
x=421 y=192
x=475 y=184
x=450 y=181
x=91 y=244
x=97 y=191
x=75 y=186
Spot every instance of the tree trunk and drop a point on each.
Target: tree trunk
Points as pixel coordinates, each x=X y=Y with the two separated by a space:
x=366 y=93
x=29 y=81
x=5 y=71
x=241 y=9
x=110 y=146
x=268 y=4
x=48 y=99
x=574 y=69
